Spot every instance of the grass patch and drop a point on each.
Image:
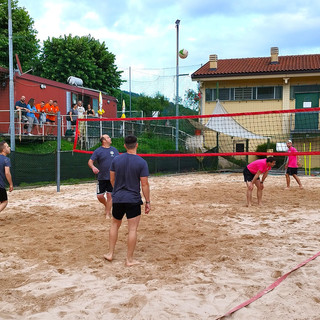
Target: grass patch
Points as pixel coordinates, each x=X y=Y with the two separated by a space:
x=40 y=147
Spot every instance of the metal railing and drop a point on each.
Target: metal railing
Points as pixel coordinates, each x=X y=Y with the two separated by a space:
x=21 y=126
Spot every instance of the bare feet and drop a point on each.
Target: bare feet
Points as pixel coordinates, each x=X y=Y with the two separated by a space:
x=131 y=263
x=108 y=256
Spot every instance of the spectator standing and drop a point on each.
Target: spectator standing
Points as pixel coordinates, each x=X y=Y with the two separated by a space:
x=73 y=113
x=81 y=115
x=51 y=109
x=127 y=172
x=90 y=111
x=5 y=174
x=31 y=115
x=103 y=157
x=22 y=107
x=41 y=115
x=50 y=118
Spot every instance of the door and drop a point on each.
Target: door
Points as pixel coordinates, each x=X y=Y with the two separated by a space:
x=307 y=121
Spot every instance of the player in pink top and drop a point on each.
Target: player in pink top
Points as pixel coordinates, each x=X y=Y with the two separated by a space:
x=252 y=174
x=292 y=165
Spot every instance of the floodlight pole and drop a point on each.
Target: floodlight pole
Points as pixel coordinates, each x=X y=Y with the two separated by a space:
x=177 y=87
x=11 y=88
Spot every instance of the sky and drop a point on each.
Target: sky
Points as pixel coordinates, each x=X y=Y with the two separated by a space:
x=142 y=34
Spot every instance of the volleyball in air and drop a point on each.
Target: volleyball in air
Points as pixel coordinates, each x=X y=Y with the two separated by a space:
x=183 y=53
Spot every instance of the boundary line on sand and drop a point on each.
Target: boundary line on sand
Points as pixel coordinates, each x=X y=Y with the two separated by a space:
x=268 y=289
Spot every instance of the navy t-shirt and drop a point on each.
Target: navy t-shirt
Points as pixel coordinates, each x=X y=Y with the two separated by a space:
x=103 y=157
x=23 y=105
x=128 y=169
x=4 y=162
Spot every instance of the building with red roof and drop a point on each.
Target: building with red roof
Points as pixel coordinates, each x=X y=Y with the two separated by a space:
x=263 y=84
x=259 y=84
x=39 y=88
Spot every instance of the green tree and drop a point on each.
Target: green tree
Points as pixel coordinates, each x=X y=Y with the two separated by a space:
x=24 y=36
x=82 y=57
x=148 y=104
x=191 y=99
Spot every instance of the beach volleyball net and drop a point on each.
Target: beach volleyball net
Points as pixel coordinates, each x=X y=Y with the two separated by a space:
x=232 y=135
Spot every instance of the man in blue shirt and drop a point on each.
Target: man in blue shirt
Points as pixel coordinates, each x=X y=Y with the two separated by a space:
x=5 y=174
x=127 y=172
x=103 y=157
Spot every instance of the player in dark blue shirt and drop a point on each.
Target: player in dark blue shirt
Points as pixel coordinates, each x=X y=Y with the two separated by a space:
x=127 y=172
x=103 y=157
x=5 y=174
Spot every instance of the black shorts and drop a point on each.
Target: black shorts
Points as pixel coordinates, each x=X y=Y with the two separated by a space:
x=3 y=195
x=248 y=175
x=104 y=186
x=292 y=171
x=131 y=210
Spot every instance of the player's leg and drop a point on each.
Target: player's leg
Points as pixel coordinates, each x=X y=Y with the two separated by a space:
x=101 y=190
x=298 y=180
x=133 y=216
x=288 y=177
x=259 y=191
x=249 y=193
x=118 y=213
x=113 y=237
x=3 y=199
x=3 y=204
x=108 y=205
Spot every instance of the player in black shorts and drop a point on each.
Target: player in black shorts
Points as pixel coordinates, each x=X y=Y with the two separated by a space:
x=5 y=174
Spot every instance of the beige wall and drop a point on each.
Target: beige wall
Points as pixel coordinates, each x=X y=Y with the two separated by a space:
x=277 y=125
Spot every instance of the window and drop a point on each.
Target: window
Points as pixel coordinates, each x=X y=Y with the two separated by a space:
x=209 y=95
x=264 y=93
x=240 y=147
x=225 y=94
x=243 y=94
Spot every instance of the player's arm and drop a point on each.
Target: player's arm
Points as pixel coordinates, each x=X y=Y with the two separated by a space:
x=94 y=169
x=9 y=177
x=112 y=177
x=146 y=193
x=256 y=176
x=287 y=161
x=264 y=176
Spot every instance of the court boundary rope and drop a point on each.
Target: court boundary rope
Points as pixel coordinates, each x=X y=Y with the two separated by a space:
x=268 y=289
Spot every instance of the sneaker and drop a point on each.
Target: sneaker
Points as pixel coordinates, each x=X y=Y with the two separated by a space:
x=30 y=134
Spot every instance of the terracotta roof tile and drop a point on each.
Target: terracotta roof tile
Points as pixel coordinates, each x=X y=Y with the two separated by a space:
x=250 y=66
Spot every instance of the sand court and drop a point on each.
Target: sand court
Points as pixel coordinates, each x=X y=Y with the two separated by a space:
x=202 y=252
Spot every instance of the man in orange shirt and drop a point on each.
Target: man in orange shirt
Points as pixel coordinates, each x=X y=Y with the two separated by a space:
x=51 y=108
x=40 y=114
